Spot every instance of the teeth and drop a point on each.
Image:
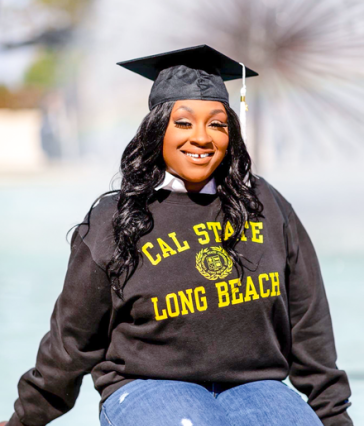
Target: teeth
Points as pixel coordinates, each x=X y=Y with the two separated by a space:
x=197 y=155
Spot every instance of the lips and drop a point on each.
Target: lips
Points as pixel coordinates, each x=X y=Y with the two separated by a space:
x=198 y=160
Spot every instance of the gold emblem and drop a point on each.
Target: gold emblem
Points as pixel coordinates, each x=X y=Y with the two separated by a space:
x=214 y=263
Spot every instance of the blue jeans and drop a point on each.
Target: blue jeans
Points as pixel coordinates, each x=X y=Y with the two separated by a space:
x=151 y=402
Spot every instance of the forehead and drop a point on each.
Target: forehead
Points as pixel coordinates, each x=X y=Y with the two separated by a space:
x=197 y=106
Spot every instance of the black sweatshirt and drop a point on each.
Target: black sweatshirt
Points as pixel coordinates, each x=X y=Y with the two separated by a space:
x=186 y=315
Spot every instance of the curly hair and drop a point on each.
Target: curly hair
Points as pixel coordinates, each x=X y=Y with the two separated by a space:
x=143 y=168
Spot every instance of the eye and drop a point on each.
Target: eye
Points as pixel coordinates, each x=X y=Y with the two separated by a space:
x=182 y=124
x=218 y=124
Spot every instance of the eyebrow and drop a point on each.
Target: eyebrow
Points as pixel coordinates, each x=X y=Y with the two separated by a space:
x=185 y=107
x=212 y=112
x=216 y=111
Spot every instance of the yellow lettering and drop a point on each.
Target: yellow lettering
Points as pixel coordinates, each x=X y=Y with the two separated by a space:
x=261 y=286
x=275 y=283
x=201 y=302
x=215 y=226
x=166 y=249
x=223 y=294
x=172 y=313
x=149 y=256
x=243 y=237
x=256 y=227
x=228 y=230
x=250 y=290
x=178 y=245
x=158 y=317
x=203 y=233
x=186 y=301
x=234 y=291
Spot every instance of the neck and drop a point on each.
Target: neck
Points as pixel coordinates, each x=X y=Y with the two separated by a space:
x=195 y=186
x=189 y=198
x=192 y=186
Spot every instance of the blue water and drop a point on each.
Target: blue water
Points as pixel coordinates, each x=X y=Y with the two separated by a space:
x=35 y=215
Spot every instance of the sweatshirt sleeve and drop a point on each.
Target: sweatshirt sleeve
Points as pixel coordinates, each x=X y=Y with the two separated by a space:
x=313 y=369
x=75 y=343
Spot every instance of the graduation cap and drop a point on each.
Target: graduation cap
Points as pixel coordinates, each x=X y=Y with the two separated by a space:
x=196 y=72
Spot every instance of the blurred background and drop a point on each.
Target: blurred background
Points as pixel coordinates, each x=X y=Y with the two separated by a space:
x=67 y=111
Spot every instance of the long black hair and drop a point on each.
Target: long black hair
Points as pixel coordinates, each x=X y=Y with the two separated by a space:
x=142 y=168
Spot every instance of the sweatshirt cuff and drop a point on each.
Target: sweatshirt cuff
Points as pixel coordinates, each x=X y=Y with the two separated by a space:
x=342 y=419
x=14 y=421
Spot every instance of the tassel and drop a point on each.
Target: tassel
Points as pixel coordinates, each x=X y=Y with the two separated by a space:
x=243 y=106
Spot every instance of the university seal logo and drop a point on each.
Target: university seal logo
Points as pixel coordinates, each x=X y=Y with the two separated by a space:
x=214 y=263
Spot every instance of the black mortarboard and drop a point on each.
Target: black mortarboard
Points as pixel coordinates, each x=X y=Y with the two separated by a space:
x=196 y=72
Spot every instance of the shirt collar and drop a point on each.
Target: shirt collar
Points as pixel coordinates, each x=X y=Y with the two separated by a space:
x=174 y=183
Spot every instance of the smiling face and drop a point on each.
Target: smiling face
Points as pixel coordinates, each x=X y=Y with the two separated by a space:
x=195 y=127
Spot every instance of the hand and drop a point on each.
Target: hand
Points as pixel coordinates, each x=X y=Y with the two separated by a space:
x=3 y=423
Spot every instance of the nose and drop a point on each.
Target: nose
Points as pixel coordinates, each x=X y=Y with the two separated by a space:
x=200 y=135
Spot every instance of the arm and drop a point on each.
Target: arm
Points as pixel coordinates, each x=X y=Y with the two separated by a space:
x=313 y=369
x=76 y=342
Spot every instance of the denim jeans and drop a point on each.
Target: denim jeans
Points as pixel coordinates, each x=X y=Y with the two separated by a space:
x=152 y=402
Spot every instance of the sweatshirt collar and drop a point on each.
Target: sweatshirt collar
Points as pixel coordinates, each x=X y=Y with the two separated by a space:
x=176 y=184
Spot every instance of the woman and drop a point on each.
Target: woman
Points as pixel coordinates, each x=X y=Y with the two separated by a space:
x=186 y=303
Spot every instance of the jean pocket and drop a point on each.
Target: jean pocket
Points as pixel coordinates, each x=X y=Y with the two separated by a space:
x=114 y=406
x=121 y=391
x=104 y=419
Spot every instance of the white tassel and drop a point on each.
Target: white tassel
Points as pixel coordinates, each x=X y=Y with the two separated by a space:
x=243 y=106
x=243 y=110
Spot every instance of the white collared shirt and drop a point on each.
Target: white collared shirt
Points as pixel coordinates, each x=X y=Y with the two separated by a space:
x=174 y=183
